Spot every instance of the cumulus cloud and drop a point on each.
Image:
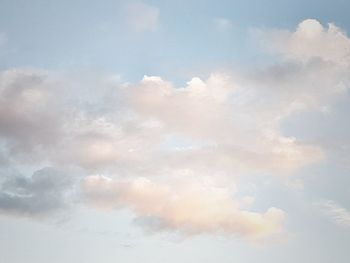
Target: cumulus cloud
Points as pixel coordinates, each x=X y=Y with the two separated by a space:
x=191 y=208
x=313 y=66
x=311 y=40
x=142 y=17
x=139 y=135
x=231 y=118
x=335 y=212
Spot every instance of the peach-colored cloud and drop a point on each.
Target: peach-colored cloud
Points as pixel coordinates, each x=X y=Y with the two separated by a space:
x=190 y=209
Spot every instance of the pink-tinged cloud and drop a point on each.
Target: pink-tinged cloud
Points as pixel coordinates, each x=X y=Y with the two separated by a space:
x=189 y=208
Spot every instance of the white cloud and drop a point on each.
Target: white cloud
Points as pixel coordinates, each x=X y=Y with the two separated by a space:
x=335 y=212
x=142 y=17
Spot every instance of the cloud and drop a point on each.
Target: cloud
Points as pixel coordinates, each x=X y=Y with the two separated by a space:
x=30 y=116
x=141 y=17
x=240 y=131
x=41 y=194
x=188 y=207
x=310 y=40
x=142 y=135
x=335 y=212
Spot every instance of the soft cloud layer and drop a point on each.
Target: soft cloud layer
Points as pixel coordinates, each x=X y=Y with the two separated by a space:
x=142 y=136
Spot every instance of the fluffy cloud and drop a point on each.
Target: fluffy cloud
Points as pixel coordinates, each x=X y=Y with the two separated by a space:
x=312 y=40
x=238 y=126
x=48 y=119
x=189 y=207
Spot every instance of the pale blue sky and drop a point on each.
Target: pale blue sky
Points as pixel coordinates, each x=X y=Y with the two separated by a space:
x=93 y=52
x=63 y=34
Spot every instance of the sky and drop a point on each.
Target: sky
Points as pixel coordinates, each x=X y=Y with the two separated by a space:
x=174 y=131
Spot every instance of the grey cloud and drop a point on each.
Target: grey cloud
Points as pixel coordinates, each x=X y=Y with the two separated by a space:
x=42 y=193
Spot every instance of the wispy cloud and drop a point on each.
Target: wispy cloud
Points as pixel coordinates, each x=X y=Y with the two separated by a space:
x=335 y=212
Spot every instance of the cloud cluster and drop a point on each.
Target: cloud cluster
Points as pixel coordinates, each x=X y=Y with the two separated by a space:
x=141 y=137
x=237 y=127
